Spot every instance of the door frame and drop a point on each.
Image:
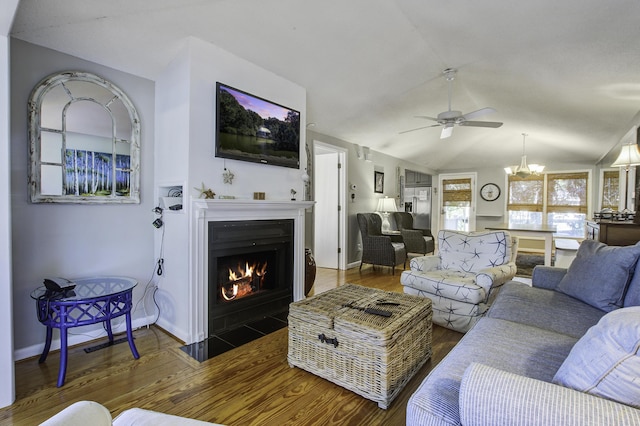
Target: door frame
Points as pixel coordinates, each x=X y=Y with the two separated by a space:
x=343 y=156
x=472 y=214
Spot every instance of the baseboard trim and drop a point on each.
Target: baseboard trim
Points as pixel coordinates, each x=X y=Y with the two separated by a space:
x=80 y=339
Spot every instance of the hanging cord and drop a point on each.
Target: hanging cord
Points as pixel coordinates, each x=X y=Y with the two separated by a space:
x=150 y=286
x=158 y=269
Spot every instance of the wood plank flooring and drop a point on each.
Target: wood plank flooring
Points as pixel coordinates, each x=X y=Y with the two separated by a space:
x=249 y=385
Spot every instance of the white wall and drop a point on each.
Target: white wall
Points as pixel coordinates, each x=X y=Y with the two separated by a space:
x=185 y=155
x=74 y=240
x=7 y=388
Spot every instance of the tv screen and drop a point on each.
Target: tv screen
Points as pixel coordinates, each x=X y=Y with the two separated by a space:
x=250 y=128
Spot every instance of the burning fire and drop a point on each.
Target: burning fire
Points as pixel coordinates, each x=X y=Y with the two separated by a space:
x=244 y=282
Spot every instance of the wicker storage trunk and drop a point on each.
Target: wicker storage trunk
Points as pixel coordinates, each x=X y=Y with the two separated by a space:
x=371 y=355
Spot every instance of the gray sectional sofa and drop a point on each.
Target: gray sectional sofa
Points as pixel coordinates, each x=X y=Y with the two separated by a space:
x=563 y=351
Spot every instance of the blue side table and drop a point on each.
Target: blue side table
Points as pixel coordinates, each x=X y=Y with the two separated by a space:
x=93 y=300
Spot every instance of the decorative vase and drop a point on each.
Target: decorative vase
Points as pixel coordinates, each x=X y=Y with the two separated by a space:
x=310 y=271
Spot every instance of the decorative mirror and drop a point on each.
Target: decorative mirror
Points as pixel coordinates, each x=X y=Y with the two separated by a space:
x=85 y=141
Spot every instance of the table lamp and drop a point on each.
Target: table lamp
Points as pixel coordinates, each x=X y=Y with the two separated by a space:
x=629 y=156
x=385 y=206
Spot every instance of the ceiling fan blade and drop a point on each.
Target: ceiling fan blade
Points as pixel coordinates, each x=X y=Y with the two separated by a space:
x=446 y=131
x=418 y=128
x=493 y=124
x=426 y=118
x=478 y=113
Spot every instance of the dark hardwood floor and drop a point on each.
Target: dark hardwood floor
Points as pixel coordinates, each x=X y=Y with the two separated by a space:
x=249 y=385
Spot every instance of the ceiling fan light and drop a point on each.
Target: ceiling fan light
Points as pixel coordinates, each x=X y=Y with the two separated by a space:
x=447 y=130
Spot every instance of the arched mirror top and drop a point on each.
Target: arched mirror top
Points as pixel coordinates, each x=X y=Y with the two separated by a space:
x=85 y=141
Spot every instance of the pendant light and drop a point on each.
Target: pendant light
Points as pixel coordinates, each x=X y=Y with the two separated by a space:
x=523 y=170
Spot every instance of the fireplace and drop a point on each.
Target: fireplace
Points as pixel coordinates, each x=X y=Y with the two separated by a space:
x=203 y=213
x=250 y=271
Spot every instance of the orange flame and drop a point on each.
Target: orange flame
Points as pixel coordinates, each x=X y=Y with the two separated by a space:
x=242 y=280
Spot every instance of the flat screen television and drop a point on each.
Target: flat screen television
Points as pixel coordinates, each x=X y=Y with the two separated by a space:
x=249 y=128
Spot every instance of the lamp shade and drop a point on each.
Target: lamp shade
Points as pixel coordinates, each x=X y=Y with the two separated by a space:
x=387 y=205
x=629 y=156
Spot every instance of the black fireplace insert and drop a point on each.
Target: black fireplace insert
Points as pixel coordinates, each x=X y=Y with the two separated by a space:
x=250 y=271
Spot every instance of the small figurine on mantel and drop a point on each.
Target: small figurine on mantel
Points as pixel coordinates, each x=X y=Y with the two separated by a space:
x=293 y=194
x=206 y=192
x=227 y=176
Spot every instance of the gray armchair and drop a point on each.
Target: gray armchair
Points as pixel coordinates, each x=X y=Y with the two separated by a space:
x=415 y=240
x=377 y=249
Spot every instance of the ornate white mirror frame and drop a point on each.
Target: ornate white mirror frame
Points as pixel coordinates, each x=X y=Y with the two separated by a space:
x=85 y=141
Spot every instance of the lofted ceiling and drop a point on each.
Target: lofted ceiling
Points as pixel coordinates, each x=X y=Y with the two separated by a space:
x=566 y=73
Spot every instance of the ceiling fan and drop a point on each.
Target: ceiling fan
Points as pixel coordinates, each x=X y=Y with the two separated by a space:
x=450 y=118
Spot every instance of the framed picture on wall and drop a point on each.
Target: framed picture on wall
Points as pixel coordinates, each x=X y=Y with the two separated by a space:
x=378 y=182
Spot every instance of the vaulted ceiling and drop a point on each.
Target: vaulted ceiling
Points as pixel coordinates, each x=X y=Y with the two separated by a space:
x=566 y=73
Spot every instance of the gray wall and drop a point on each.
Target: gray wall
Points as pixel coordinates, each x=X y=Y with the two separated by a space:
x=73 y=240
x=361 y=174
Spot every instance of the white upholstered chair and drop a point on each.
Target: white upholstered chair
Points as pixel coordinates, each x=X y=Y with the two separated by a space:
x=464 y=277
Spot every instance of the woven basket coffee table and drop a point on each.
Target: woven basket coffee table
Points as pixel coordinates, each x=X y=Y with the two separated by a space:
x=366 y=340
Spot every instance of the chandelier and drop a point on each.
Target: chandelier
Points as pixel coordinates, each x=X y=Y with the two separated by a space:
x=523 y=170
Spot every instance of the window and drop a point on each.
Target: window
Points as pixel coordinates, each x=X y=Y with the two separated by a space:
x=558 y=199
x=456 y=202
x=526 y=199
x=610 y=189
x=567 y=202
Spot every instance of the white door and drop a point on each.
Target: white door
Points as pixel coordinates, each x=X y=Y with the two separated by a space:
x=458 y=201
x=329 y=218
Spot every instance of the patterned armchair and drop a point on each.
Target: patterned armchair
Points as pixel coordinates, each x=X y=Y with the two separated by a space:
x=415 y=240
x=377 y=249
x=465 y=277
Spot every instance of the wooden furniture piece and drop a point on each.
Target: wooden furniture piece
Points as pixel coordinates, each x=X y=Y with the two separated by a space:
x=91 y=301
x=531 y=230
x=614 y=233
x=338 y=336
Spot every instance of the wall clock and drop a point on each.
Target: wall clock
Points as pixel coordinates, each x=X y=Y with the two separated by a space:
x=490 y=192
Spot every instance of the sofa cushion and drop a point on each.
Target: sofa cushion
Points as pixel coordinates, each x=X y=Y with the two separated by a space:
x=445 y=283
x=545 y=309
x=140 y=417
x=599 y=274
x=489 y=396
x=81 y=413
x=606 y=361
x=473 y=251
x=632 y=298
x=512 y=347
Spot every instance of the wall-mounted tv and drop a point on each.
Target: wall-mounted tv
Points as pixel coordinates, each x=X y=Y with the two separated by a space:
x=249 y=128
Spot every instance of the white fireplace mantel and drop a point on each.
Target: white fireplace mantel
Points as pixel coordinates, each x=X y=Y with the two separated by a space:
x=204 y=211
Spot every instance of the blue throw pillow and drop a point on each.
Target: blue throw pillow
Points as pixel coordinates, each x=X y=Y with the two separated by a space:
x=606 y=360
x=600 y=274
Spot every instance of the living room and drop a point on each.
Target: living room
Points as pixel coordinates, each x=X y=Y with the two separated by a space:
x=177 y=149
